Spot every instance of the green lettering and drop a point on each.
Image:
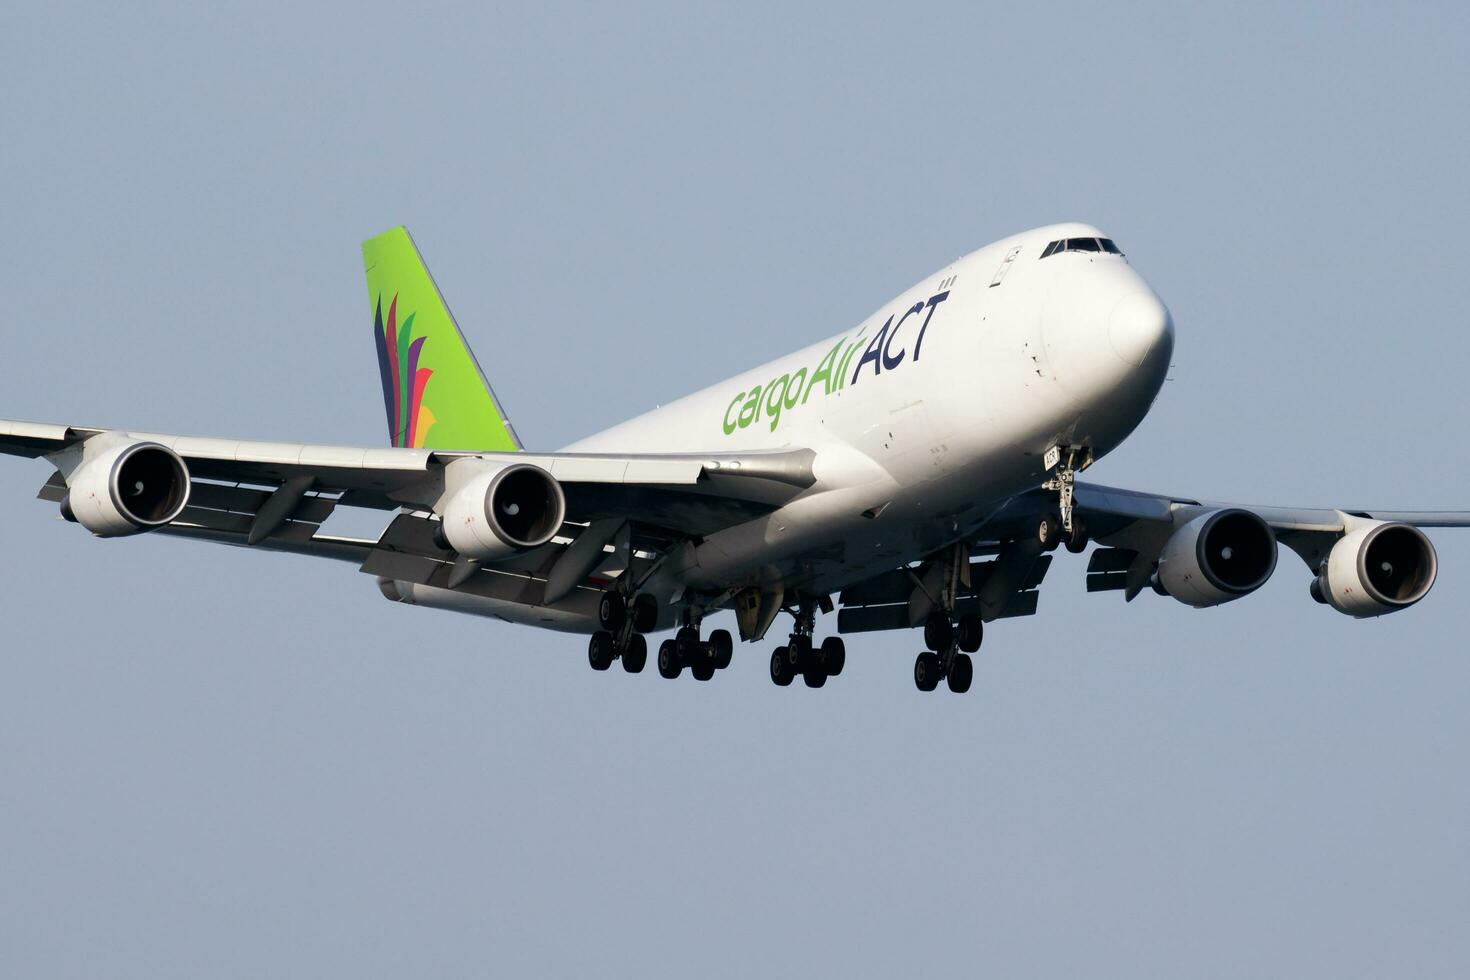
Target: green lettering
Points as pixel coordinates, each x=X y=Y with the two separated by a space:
x=847 y=359
x=752 y=407
x=774 y=404
x=823 y=373
x=793 y=393
x=730 y=426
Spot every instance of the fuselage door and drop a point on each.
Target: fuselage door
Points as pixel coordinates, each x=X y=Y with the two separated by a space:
x=1005 y=265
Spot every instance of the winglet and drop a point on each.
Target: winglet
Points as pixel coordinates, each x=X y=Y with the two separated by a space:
x=434 y=393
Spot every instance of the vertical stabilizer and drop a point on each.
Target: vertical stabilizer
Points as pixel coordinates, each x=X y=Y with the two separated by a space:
x=434 y=393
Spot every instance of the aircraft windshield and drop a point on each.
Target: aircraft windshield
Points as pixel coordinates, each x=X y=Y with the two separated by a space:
x=1082 y=245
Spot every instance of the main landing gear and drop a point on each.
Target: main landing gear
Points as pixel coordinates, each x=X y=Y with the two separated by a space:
x=621 y=637
x=800 y=656
x=702 y=657
x=948 y=657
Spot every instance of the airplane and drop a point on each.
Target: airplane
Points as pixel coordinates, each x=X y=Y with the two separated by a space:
x=916 y=471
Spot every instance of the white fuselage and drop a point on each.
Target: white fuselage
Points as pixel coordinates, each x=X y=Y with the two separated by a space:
x=924 y=418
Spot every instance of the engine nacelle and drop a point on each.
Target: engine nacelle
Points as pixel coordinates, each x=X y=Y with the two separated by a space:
x=1377 y=569
x=502 y=512
x=127 y=489
x=1217 y=557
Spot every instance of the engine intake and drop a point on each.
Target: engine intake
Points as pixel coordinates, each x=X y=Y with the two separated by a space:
x=127 y=489
x=1218 y=557
x=1377 y=569
x=501 y=512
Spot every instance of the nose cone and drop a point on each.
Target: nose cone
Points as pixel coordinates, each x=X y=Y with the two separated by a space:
x=1108 y=341
x=1138 y=326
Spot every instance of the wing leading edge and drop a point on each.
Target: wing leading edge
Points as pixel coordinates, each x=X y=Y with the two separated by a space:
x=275 y=496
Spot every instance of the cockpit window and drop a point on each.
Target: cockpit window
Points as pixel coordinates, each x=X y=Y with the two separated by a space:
x=1081 y=245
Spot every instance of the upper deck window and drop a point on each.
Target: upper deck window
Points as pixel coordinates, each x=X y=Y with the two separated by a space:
x=1082 y=245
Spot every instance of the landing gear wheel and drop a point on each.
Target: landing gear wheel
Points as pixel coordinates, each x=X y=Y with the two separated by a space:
x=699 y=656
x=645 y=613
x=926 y=671
x=1077 y=541
x=636 y=655
x=834 y=655
x=724 y=647
x=971 y=632
x=961 y=673
x=600 y=650
x=1049 y=533
x=814 y=676
x=781 y=671
x=612 y=611
x=938 y=633
x=798 y=652
x=702 y=667
x=686 y=643
x=669 y=664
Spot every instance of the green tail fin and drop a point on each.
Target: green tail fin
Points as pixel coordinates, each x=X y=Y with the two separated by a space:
x=434 y=392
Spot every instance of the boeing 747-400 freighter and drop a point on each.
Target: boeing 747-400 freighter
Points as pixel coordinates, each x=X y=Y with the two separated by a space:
x=916 y=471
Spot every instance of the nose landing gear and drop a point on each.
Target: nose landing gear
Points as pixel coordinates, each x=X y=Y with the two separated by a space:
x=1064 y=526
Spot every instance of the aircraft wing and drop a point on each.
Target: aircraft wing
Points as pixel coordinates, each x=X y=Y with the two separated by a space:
x=275 y=496
x=1001 y=573
x=1135 y=527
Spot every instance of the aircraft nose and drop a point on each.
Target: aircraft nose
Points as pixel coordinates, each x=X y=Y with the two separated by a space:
x=1138 y=325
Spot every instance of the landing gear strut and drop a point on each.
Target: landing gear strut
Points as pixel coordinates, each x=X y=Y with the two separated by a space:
x=1053 y=529
x=800 y=656
x=949 y=657
x=950 y=638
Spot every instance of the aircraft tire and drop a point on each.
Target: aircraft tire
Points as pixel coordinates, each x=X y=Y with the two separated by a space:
x=961 y=673
x=781 y=672
x=612 y=611
x=972 y=632
x=669 y=663
x=798 y=652
x=724 y=647
x=834 y=655
x=686 y=643
x=926 y=671
x=938 y=631
x=1078 y=540
x=636 y=655
x=600 y=650
x=1049 y=533
x=814 y=676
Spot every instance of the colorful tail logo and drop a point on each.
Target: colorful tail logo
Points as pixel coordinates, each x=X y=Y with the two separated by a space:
x=403 y=380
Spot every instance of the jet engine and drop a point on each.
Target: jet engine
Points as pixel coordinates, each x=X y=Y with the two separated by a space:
x=1377 y=569
x=127 y=489
x=501 y=512
x=1216 y=557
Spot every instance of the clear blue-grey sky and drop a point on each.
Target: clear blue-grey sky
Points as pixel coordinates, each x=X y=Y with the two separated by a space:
x=220 y=763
